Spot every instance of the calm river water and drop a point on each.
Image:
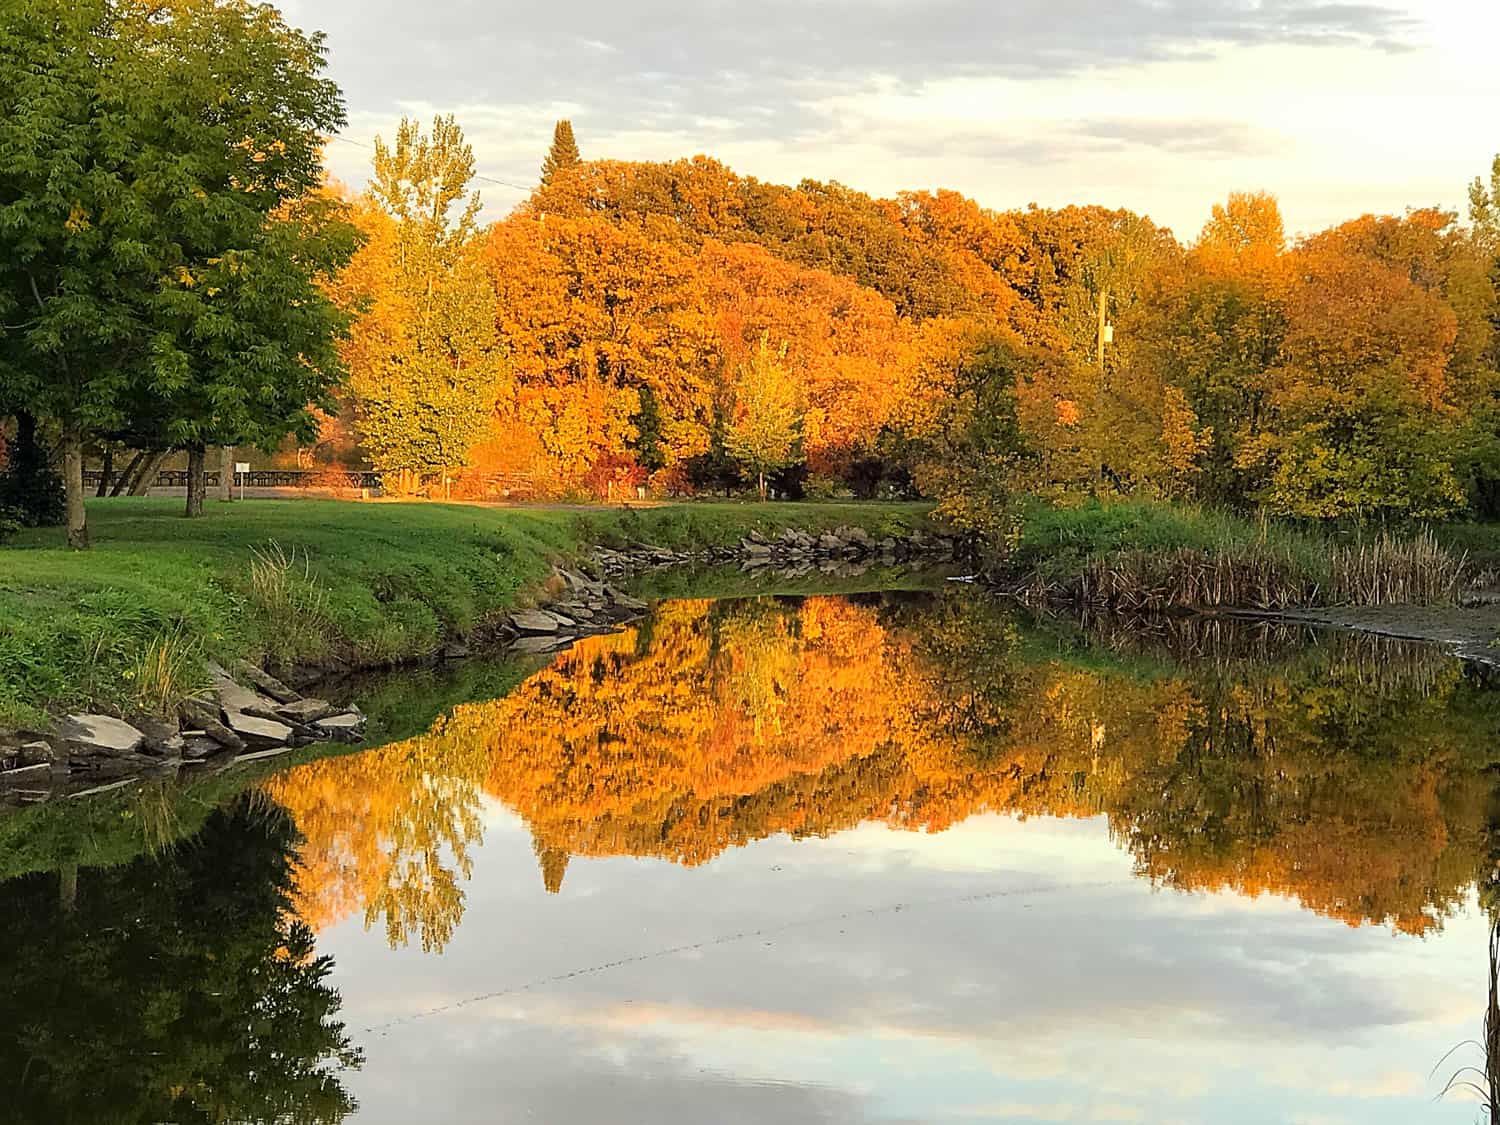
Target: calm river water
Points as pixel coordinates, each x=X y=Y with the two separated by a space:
x=866 y=859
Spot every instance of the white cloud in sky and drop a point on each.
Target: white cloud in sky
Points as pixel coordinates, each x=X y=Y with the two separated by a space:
x=1163 y=106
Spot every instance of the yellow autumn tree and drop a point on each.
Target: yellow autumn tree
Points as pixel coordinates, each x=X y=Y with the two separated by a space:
x=424 y=361
x=766 y=425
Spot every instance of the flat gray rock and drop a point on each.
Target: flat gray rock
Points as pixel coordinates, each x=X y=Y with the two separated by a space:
x=26 y=773
x=234 y=697
x=201 y=746
x=306 y=710
x=101 y=734
x=533 y=621
x=34 y=753
x=206 y=717
x=269 y=684
x=258 y=732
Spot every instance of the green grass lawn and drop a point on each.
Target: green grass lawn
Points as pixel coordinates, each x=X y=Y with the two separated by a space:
x=127 y=623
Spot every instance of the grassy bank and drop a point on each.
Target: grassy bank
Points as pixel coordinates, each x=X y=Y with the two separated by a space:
x=1153 y=556
x=128 y=623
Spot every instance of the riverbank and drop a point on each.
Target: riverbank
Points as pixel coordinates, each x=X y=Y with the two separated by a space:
x=1154 y=557
x=322 y=585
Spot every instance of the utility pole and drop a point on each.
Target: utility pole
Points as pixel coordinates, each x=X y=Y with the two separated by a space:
x=1104 y=332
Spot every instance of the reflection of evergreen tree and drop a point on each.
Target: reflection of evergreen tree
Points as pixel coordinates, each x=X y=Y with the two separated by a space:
x=177 y=988
x=554 y=864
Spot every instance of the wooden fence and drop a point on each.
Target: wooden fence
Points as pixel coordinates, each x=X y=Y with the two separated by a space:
x=258 y=478
x=478 y=486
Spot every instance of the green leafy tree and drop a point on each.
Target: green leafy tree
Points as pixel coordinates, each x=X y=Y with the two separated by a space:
x=975 y=456
x=767 y=422
x=243 y=338
x=1484 y=209
x=148 y=275
x=77 y=245
x=425 y=360
x=563 y=154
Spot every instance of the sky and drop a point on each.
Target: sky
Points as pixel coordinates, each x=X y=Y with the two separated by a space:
x=1339 y=107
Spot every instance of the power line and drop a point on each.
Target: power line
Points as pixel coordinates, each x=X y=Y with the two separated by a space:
x=477 y=176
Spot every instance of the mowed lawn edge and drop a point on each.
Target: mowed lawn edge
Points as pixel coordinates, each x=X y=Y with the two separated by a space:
x=128 y=624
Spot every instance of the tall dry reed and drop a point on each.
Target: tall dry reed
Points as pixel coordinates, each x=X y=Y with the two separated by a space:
x=1265 y=576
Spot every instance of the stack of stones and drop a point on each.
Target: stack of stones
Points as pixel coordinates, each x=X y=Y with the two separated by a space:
x=225 y=725
x=790 y=549
x=584 y=606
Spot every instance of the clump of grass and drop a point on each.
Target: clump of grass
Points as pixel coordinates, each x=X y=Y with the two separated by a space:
x=291 y=600
x=169 y=668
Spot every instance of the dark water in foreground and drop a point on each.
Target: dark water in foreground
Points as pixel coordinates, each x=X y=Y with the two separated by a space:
x=869 y=859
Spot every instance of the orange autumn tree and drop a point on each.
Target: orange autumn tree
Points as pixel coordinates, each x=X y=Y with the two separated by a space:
x=845 y=343
x=610 y=342
x=628 y=297
x=389 y=834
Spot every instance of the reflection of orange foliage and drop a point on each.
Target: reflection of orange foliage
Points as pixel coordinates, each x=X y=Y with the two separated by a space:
x=715 y=724
x=387 y=831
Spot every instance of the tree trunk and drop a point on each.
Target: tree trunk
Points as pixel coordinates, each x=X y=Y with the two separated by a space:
x=141 y=486
x=78 y=528
x=226 y=473
x=106 y=471
x=197 y=486
x=123 y=482
x=761 y=479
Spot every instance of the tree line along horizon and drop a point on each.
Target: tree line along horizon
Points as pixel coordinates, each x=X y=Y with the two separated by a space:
x=178 y=272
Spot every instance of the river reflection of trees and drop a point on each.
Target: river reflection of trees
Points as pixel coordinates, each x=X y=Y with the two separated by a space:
x=1349 y=772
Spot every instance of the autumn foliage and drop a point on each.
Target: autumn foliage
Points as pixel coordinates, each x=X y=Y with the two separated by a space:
x=1350 y=373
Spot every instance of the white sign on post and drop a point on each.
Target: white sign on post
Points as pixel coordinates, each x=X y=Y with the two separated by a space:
x=242 y=470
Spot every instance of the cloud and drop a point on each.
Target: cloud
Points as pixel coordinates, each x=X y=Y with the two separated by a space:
x=1030 y=142
x=659 y=63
